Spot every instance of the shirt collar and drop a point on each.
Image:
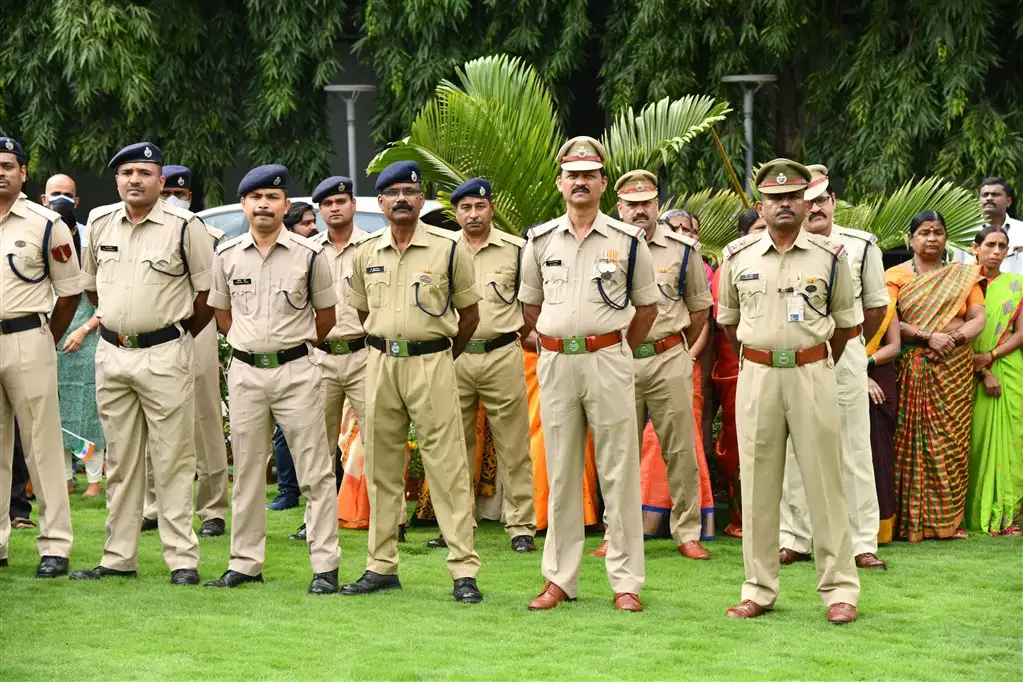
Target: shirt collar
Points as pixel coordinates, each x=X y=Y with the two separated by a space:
x=492 y=238
x=599 y=225
x=659 y=238
x=419 y=237
x=18 y=207
x=284 y=238
x=156 y=214
x=766 y=243
x=324 y=239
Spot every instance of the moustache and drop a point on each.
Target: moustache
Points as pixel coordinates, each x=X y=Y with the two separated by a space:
x=474 y=223
x=265 y=214
x=785 y=211
x=580 y=190
x=402 y=207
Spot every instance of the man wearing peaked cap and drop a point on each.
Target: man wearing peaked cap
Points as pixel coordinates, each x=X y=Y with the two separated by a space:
x=788 y=308
x=585 y=278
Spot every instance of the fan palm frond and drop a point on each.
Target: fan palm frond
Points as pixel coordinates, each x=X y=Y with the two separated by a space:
x=718 y=212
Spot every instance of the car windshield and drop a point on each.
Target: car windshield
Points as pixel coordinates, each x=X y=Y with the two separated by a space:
x=233 y=222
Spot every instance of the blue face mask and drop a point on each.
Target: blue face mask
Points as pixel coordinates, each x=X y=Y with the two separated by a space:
x=61 y=199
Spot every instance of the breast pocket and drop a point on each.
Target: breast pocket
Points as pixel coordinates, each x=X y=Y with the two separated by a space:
x=431 y=291
x=555 y=283
x=611 y=284
x=751 y=298
x=161 y=267
x=667 y=283
x=291 y=294
x=243 y=298
x=107 y=264
x=500 y=288
x=27 y=260
x=816 y=296
x=378 y=289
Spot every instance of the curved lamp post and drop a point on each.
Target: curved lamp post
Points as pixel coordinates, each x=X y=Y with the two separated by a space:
x=350 y=94
x=750 y=84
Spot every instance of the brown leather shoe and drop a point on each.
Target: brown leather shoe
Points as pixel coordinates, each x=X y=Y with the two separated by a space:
x=840 y=613
x=790 y=556
x=747 y=608
x=870 y=560
x=628 y=602
x=693 y=550
x=551 y=596
x=600 y=551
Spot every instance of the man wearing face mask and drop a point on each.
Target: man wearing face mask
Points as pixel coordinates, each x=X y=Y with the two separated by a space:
x=147 y=270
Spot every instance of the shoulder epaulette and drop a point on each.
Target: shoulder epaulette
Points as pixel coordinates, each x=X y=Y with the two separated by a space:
x=441 y=232
x=370 y=238
x=836 y=249
x=510 y=238
x=542 y=229
x=320 y=238
x=310 y=244
x=740 y=244
x=101 y=211
x=217 y=235
x=41 y=210
x=631 y=230
x=858 y=234
x=224 y=246
x=685 y=239
x=182 y=213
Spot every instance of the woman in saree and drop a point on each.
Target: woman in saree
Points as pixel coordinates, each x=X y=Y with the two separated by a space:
x=996 y=443
x=882 y=387
x=941 y=311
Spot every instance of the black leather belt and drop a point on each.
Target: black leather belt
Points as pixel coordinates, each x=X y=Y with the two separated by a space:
x=144 y=340
x=480 y=347
x=343 y=347
x=401 y=348
x=20 y=324
x=271 y=360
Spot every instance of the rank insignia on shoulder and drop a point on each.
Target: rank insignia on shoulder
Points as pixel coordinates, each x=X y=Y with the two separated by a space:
x=746 y=277
x=374 y=268
x=239 y=282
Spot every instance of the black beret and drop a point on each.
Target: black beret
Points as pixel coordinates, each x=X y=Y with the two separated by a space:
x=272 y=176
x=477 y=187
x=335 y=184
x=140 y=152
x=402 y=171
x=12 y=146
x=177 y=176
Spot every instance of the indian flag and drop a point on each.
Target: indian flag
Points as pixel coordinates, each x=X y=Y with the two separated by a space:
x=86 y=449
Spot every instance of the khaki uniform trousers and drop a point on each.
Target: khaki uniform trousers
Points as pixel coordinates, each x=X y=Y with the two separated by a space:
x=289 y=394
x=146 y=404
x=857 y=465
x=344 y=376
x=664 y=388
x=28 y=393
x=498 y=380
x=800 y=402
x=421 y=389
x=592 y=389
x=210 y=448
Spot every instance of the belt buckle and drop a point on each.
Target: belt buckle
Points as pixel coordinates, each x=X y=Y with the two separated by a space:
x=783 y=358
x=339 y=348
x=476 y=347
x=128 y=341
x=644 y=350
x=397 y=348
x=574 y=345
x=265 y=360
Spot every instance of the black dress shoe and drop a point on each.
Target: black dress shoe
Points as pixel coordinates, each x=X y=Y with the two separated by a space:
x=234 y=579
x=3 y=563
x=324 y=583
x=212 y=528
x=149 y=524
x=371 y=582
x=466 y=591
x=299 y=534
x=523 y=543
x=185 y=576
x=401 y=532
x=51 y=567
x=437 y=543
x=101 y=572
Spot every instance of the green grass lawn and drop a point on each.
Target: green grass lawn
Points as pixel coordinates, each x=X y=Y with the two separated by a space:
x=945 y=610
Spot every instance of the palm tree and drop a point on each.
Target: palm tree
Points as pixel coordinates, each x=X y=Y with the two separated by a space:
x=499 y=122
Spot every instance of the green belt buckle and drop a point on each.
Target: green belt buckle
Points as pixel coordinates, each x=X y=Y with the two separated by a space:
x=128 y=341
x=397 y=348
x=644 y=350
x=265 y=360
x=339 y=348
x=574 y=345
x=783 y=358
x=476 y=347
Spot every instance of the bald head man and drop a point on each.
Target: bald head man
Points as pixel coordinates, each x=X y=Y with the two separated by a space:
x=59 y=185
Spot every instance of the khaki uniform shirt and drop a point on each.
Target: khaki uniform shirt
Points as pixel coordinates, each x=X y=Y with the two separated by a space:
x=137 y=271
x=560 y=273
x=348 y=325
x=865 y=266
x=268 y=296
x=756 y=280
x=386 y=283
x=21 y=243
x=496 y=265
x=673 y=307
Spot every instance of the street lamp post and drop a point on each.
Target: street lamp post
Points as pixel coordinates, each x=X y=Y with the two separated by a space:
x=750 y=84
x=350 y=93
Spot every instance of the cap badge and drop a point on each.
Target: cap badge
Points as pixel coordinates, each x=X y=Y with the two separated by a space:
x=483 y=191
x=147 y=152
x=181 y=181
x=277 y=181
x=9 y=145
x=639 y=185
x=781 y=178
x=415 y=178
x=581 y=152
x=341 y=187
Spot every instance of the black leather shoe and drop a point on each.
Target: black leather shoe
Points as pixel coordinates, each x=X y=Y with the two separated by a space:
x=401 y=532
x=437 y=543
x=324 y=583
x=523 y=543
x=466 y=591
x=234 y=579
x=371 y=582
x=212 y=528
x=101 y=572
x=3 y=563
x=299 y=534
x=149 y=524
x=51 y=567
x=185 y=576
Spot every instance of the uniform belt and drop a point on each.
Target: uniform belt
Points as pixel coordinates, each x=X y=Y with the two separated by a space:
x=343 y=347
x=577 y=345
x=648 y=350
x=855 y=332
x=20 y=324
x=786 y=358
x=144 y=340
x=480 y=347
x=403 y=348
x=273 y=359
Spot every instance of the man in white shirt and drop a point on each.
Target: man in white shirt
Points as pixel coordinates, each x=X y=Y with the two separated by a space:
x=996 y=198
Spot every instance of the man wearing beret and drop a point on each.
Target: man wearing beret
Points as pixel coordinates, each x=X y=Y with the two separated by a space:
x=40 y=277
x=788 y=308
x=147 y=271
x=416 y=295
x=275 y=301
x=589 y=291
x=491 y=369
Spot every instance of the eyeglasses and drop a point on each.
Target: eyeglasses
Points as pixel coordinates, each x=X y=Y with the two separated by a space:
x=821 y=201
x=392 y=193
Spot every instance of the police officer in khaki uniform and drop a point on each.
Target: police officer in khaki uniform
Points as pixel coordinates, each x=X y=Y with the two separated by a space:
x=871 y=296
x=788 y=308
x=664 y=368
x=37 y=264
x=210 y=448
x=274 y=300
x=416 y=294
x=589 y=290
x=147 y=271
